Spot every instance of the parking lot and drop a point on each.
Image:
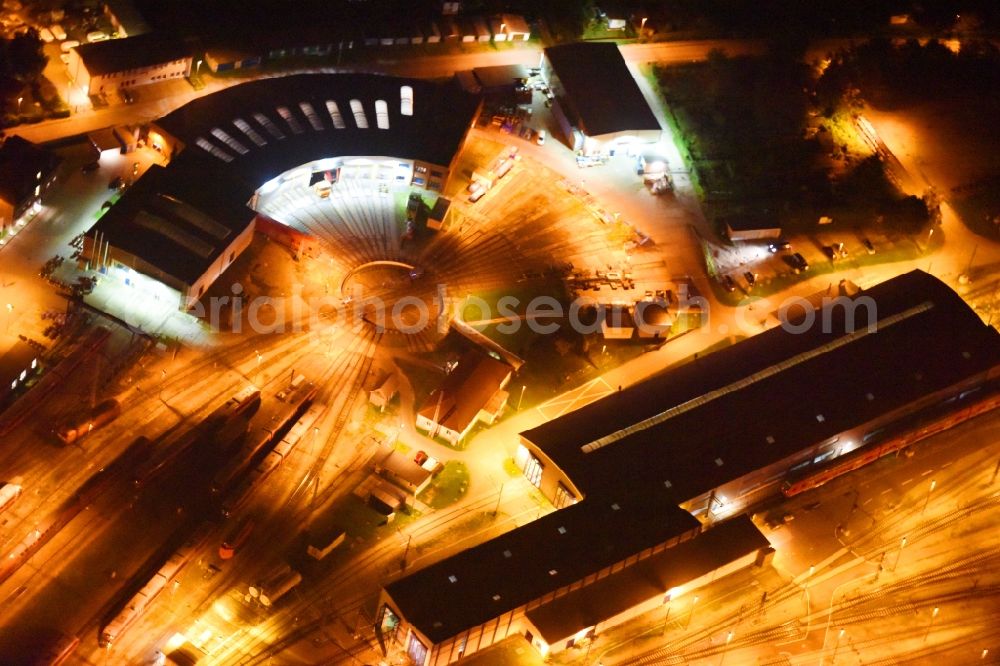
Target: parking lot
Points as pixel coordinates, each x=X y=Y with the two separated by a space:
x=756 y=268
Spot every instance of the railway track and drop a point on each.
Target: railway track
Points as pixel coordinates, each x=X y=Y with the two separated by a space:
x=875 y=605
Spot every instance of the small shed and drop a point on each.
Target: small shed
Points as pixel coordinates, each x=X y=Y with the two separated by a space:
x=128 y=137
x=403 y=471
x=498 y=29
x=481 y=30
x=501 y=79
x=105 y=141
x=226 y=59
x=618 y=323
x=450 y=30
x=385 y=390
x=653 y=319
x=751 y=227
x=439 y=213
x=516 y=27
x=467 y=30
x=432 y=35
x=387 y=497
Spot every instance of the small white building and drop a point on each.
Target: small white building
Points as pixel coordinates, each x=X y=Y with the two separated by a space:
x=384 y=391
x=515 y=27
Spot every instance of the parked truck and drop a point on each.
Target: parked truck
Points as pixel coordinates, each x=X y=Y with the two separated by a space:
x=9 y=492
x=76 y=428
x=277 y=585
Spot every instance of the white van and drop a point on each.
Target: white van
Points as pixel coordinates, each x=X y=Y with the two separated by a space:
x=58 y=32
x=69 y=44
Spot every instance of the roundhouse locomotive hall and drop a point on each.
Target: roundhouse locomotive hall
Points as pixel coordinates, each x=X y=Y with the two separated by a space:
x=654 y=483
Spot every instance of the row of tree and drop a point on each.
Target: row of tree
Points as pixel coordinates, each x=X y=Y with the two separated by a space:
x=22 y=61
x=884 y=72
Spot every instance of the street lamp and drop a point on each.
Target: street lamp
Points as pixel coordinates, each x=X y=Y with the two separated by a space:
x=934 y=614
x=19 y=100
x=519 y=400
x=163 y=378
x=496 y=509
x=691 y=613
x=729 y=639
x=902 y=545
x=928 y=498
x=837 y=646
x=409 y=539
x=642 y=25
x=197 y=69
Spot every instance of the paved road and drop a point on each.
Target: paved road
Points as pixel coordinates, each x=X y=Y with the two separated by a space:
x=175 y=96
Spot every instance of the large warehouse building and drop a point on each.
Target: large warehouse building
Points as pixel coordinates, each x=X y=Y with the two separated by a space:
x=653 y=482
x=281 y=139
x=169 y=236
x=286 y=132
x=728 y=429
x=598 y=104
x=537 y=581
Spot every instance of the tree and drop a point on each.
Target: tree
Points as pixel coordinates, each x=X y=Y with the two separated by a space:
x=25 y=58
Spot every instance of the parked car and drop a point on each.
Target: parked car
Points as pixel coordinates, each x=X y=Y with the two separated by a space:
x=780 y=244
x=46 y=35
x=751 y=278
x=58 y=32
x=116 y=183
x=800 y=261
x=91 y=166
x=69 y=44
x=97 y=36
x=728 y=283
x=869 y=248
x=540 y=139
x=421 y=457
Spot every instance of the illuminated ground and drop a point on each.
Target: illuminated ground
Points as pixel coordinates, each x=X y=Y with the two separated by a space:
x=520 y=237
x=850 y=595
